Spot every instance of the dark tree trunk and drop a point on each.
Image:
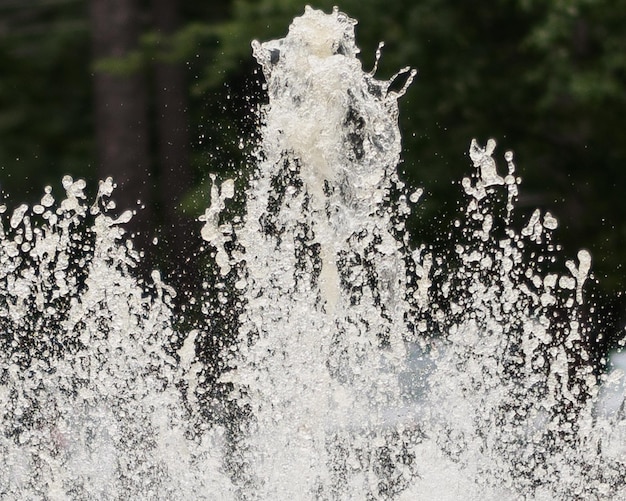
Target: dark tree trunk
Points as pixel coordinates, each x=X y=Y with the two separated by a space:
x=122 y=128
x=180 y=233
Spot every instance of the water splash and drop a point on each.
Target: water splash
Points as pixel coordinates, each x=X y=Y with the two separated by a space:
x=363 y=368
x=321 y=339
x=89 y=383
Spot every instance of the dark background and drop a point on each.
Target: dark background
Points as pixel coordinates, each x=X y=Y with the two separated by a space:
x=159 y=93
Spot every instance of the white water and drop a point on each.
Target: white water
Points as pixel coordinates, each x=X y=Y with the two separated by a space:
x=363 y=368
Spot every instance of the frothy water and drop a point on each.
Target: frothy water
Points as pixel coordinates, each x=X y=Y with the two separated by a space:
x=363 y=367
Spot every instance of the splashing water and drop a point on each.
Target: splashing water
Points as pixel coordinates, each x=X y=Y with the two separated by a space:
x=363 y=368
x=89 y=396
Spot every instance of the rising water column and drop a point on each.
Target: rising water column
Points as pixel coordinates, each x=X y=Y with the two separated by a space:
x=322 y=334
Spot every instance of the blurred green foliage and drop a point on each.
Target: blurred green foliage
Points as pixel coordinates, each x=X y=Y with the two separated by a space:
x=546 y=79
x=45 y=89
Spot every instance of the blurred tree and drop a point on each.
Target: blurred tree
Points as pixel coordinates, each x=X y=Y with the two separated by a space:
x=121 y=113
x=147 y=71
x=45 y=95
x=172 y=129
x=163 y=56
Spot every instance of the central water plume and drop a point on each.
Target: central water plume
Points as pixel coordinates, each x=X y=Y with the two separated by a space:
x=322 y=337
